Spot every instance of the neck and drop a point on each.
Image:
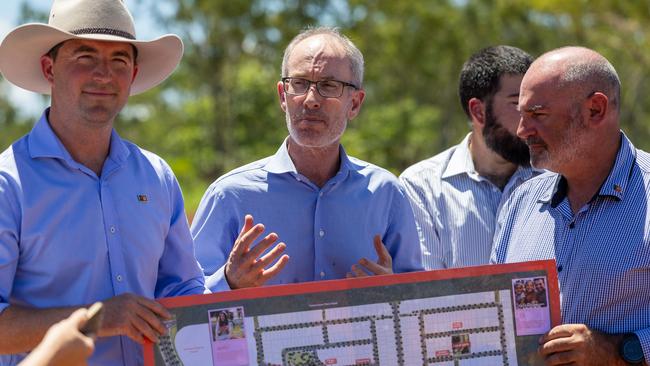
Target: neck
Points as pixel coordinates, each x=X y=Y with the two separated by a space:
x=317 y=164
x=586 y=177
x=87 y=142
x=489 y=164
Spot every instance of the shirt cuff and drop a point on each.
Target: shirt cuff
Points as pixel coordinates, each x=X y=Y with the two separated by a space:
x=217 y=282
x=3 y=306
x=644 y=337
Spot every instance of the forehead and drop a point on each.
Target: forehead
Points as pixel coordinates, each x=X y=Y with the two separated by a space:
x=509 y=85
x=542 y=88
x=321 y=55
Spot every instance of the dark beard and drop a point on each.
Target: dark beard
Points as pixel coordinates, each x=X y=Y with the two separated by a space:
x=502 y=142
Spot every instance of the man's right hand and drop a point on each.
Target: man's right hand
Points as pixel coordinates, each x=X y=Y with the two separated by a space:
x=245 y=267
x=134 y=316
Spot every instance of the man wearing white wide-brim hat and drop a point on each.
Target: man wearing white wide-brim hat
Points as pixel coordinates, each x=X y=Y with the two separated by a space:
x=84 y=215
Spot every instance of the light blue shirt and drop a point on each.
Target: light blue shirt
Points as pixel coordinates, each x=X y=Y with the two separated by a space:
x=602 y=252
x=455 y=208
x=68 y=237
x=326 y=229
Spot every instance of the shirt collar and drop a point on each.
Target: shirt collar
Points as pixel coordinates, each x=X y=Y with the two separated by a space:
x=460 y=161
x=614 y=185
x=281 y=162
x=43 y=143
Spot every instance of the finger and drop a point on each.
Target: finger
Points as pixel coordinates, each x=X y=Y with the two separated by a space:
x=263 y=245
x=238 y=247
x=145 y=327
x=349 y=275
x=155 y=307
x=562 y=358
x=244 y=242
x=556 y=345
x=358 y=272
x=152 y=320
x=560 y=331
x=133 y=330
x=373 y=267
x=382 y=253
x=78 y=318
x=270 y=257
x=275 y=268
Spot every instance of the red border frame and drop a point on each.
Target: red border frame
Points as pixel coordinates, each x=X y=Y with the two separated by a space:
x=386 y=280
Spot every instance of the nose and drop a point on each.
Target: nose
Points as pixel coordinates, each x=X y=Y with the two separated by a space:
x=524 y=128
x=312 y=98
x=102 y=71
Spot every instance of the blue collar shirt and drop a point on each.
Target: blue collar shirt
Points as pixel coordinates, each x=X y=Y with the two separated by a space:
x=69 y=237
x=602 y=251
x=326 y=229
x=455 y=208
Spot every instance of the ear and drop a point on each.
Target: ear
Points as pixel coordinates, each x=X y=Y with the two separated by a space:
x=476 y=109
x=357 y=100
x=282 y=96
x=597 y=107
x=135 y=72
x=47 y=68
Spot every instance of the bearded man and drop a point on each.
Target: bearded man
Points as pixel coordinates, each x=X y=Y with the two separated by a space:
x=457 y=194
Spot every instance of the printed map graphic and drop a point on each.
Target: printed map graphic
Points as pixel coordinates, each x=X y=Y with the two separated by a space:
x=436 y=318
x=413 y=332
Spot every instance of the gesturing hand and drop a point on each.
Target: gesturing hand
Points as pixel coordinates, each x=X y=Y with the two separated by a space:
x=384 y=264
x=245 y=267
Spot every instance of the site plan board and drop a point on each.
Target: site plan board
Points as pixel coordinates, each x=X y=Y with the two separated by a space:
x=486 y=315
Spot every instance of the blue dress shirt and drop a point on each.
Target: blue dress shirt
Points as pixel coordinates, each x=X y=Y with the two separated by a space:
x=602 y=252
x=326 y=229
x=455 y=208
x=68 y=237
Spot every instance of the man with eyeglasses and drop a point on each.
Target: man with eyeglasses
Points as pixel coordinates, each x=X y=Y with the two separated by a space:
x=337 y=216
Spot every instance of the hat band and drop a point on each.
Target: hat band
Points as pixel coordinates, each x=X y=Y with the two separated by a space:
x=108 y=31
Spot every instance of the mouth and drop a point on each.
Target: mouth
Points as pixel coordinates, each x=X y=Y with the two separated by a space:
x=98 y=93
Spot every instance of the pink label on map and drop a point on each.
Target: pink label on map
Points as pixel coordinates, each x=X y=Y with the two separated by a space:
x=228 y=339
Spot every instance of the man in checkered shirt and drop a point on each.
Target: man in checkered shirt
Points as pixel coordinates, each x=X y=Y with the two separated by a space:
x=591 y=216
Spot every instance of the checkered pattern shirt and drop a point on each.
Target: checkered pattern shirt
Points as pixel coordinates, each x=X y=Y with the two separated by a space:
x=602 y=251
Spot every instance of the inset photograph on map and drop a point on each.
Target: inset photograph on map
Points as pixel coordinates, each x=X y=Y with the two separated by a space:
x=460 y=344
x=530 y=300
x=228 y=337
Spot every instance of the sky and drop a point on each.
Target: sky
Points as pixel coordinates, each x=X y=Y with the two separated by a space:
x=31 y=104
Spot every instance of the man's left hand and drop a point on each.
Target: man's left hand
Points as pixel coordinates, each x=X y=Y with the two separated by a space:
x=577 y=344
x=384 y=264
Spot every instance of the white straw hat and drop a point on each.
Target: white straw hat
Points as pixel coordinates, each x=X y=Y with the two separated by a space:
x=102 y=20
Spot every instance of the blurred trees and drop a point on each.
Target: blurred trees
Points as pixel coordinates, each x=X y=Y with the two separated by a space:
x=220 y=109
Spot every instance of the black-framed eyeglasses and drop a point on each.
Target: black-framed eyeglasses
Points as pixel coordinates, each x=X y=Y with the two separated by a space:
x=326 y=88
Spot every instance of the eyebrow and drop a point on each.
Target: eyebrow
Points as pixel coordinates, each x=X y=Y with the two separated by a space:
x=513 y=95
x=535 y=108
x=86 y=48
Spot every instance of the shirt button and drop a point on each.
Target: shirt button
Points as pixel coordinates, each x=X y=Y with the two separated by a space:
x=321 y=194
x=572 y=225
x=559 y=268
x=112 y=229
x=321 y=233
x=119 y=278
x=322 y=274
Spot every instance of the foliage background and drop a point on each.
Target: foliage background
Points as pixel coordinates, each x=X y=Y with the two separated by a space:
x=220 y=109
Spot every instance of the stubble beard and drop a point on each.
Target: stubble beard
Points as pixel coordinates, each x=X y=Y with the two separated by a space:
x=311 y=138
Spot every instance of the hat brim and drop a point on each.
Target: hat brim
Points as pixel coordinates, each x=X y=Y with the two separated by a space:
x=22 y=48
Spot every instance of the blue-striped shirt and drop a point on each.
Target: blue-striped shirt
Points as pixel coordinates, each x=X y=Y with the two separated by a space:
x=602 y=252
x=455 y=208
x=326 y=229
